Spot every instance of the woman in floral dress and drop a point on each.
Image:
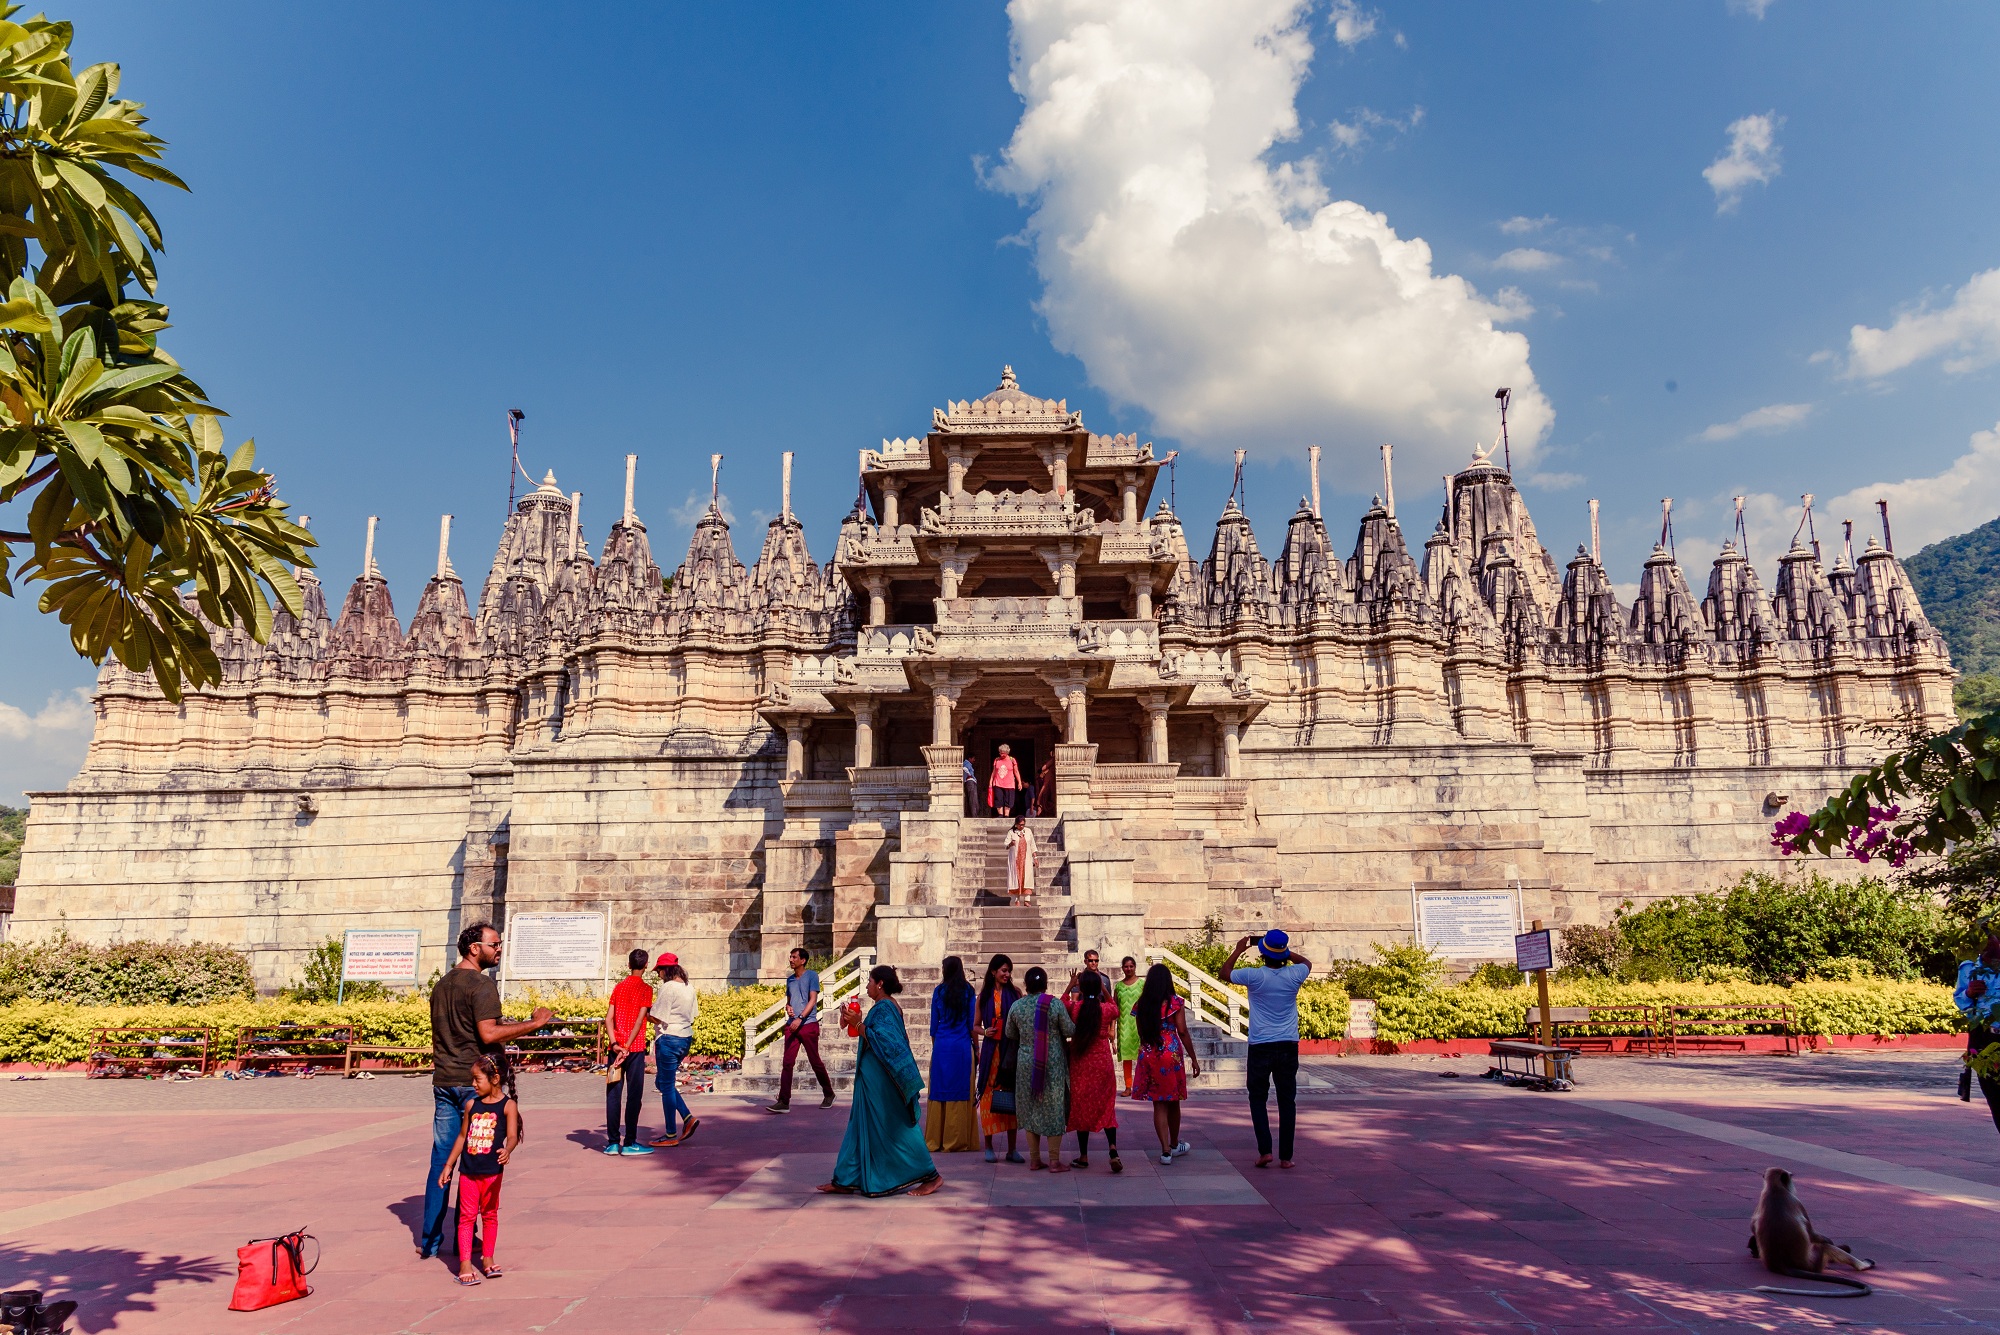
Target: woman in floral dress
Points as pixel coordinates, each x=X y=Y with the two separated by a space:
x=1041 y=1029
x=1164 y=1049
x=1093 y=1078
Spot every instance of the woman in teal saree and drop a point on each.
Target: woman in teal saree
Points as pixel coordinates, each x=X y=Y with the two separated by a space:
x=883 y=1152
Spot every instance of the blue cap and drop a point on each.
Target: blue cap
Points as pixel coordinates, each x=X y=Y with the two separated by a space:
x=1275 y=945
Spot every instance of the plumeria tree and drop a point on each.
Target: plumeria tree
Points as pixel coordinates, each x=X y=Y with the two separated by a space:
x=117 y=492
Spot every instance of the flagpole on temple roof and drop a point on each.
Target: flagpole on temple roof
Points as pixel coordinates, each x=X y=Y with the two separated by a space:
x=1312 y=454
x=444 y=570
x=514 y=419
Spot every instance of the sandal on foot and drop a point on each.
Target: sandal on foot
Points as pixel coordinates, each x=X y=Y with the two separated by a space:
x=491 y=1271
x=1116 y=1165
x=468 y=1280
x=1037 y=1166
x=1080 y=1161
x=1014 y=1156
x=991 y=1157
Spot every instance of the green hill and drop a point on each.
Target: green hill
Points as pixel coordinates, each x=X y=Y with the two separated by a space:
x=13 y=829
x=1958 y=581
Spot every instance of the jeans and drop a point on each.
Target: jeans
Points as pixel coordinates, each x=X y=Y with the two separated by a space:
x=1279 y=1062
x=632 y=1086
x=668 y=1054
x=805 y=1036
x=447 y=1117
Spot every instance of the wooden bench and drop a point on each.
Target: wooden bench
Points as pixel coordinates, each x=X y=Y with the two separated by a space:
x=1684 y=1025
x=565 y=1045
x=294 y=1048
x=134 y=1051
x=373 y=1057
x=1523 y=1061
x=1567 y=1019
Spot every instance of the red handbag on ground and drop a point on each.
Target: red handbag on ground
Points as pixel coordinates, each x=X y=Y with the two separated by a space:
x=270 y=1271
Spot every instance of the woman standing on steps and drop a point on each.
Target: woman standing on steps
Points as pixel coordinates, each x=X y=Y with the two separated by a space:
x=1021 y=862
x=997 y=995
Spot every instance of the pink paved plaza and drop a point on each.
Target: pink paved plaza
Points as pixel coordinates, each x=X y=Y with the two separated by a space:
x=1418 y=1204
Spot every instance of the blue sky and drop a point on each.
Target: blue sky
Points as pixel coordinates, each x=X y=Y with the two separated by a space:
x=672 y=230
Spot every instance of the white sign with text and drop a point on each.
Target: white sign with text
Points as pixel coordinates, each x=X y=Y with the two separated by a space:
x=1467 y=924
x=380 y=955
x=557 y=946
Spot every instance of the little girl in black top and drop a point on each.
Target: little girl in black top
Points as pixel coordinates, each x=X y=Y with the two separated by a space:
x=488 y=1137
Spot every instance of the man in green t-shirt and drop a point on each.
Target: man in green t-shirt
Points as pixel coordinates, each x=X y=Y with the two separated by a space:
x=465 y=1022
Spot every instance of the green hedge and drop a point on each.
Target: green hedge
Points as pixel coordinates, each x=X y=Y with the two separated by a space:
x=140 y=973
x=52 y=1033
x=1878 y=1007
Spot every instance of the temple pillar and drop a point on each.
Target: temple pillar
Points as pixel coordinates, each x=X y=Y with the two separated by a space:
x=1055 y=458
x=1142 y=595
x=1232 y=740
x=878 y=598
x=953 y=562
x=864 y=736
x=942 y=700
x=1061 y=559
x=892 y=502
x=1155 y=705
x=795 y=750
x=1075 y=766
x=958 y=458
x=1128 y=486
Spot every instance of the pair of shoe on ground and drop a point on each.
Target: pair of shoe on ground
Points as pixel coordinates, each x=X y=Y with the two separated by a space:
x=663 y=1143
x=826 y=1102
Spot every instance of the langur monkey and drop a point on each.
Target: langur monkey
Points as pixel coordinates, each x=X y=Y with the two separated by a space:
x=1783 y=1238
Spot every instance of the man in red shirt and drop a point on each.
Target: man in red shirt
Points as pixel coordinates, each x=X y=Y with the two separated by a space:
x=625 y=1034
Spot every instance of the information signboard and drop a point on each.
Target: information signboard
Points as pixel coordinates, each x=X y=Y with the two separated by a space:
x=1534 y=950
x=1467 y=924
x=380 y=955
x=554 y=947
x=1360 y=1019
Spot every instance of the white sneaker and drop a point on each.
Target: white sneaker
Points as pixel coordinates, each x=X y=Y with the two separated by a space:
x=1166 y=1158
x=1181 y=1149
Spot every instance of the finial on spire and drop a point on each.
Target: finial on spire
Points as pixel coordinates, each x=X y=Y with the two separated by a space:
x=1888 y=543
x=576 y=523
x=631 y=474
x=1007 y=378
x=1236 y=487
x=1666 y=541
x=1389 y=477
x=1742 y=533
x=444 y=570
x=785 y=495
x=715 y=483
x=1596 y=552
x=1847 y=541
x=368 y=567
x=1312 y=456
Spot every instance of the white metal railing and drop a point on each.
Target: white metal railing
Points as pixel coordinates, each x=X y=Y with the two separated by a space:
x=1209 y=999
x=837 y=982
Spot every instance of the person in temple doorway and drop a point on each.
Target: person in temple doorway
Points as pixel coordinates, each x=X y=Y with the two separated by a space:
x=1003 y=784
x=971 y=788
x=1044 y=801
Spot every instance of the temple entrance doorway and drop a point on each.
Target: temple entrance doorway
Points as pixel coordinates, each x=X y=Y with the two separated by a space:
x=1030 y=741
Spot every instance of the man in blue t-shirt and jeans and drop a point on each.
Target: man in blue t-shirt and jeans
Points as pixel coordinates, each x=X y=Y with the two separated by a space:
x=1274 y=1035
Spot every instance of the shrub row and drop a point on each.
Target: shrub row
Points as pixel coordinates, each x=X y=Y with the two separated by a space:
x=139 y=973
x=52 y=1033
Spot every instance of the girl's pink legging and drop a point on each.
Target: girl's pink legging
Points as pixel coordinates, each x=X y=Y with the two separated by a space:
x=478 y=1200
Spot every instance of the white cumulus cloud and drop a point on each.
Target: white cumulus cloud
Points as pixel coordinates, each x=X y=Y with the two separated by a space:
x=1771 y=417
x=1967 y=330
x=1232 y=299
x=1527 y=259
x=44 y=749
x=689 y=512
x=1366 y=123
x=1751 y=159
x=1353 y=25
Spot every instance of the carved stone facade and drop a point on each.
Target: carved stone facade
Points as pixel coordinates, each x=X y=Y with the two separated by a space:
x=735 y=760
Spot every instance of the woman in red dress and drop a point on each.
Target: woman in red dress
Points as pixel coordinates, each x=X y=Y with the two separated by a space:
x=1093 y=1075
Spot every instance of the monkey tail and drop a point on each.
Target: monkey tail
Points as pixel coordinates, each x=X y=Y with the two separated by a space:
x=1855 y=1288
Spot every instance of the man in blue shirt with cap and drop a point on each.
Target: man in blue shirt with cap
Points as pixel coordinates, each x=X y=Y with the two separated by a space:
x=1274 y=1036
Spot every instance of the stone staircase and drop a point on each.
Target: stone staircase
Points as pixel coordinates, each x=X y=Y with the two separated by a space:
x=986 y=922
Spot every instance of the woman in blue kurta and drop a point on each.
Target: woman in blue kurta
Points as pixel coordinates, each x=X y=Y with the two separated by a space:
x=951 y=1125
x=883 y=1152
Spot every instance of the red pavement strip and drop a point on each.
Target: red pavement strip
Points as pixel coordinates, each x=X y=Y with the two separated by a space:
x=1495 y=1211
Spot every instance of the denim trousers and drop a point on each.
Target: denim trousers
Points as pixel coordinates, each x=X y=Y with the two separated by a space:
x=1274 y=1063
x=668 y=1054
x=447 y=1116
x=628 y=1088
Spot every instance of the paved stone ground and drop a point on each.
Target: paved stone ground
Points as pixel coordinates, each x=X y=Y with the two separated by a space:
x=1419 y=1204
